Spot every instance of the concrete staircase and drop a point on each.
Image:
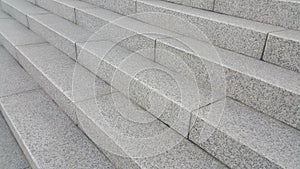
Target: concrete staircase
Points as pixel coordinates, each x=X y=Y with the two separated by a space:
x=140 y=84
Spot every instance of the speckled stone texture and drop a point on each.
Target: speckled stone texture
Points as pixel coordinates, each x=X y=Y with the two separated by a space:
x=124 y=7
x=63 y=8
x=203 y=4
x=48 y=137
x=236 y=34
x=11 y=156
x=169 y=95
x=62 y=78
x=263 y=86
x=13 y=34
x=283 y=49
x=245 y=138
x=183 y=2
x=59 y=32
x=13 y=78
x=19 y=9
x=125 y=123
x=94 y=19
x=277 y=12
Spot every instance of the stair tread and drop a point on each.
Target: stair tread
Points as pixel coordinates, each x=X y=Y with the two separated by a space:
x=17 y=33
x=155 y=141
x=213 y=16
x=11 y=72
x=47 y=135
x=11 y=156
x=62 y=27
x=264 y=135
x=25 y=7
x=65 y=8
x=40 y=126
x=274 y=75
x=194 y=156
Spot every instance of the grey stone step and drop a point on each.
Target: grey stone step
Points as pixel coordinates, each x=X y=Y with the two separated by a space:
x=9 y=68
x=182 y=102
x=135 y=35
x=48 y=138
x=145 y=145
x=267 y=83
x=169 y=95
x=19 y=9
x=235 y=34
x=108 y=25
x=59 y=32
x=245 y=138
x=14 y=33
x=132 y=121
x=11 y=156
x=283 y=48
x=202 y=4
x=277 y=12
x=263 y=86
x=63 y=8
x=124 y=7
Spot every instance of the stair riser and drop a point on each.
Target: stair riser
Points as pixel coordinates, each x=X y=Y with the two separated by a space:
x=53 y=37
x=58 y=8
x=282 y=49
x=242 y=40
x=125 y=7
x=131 y=87
x=221 y=146
x=21 y=17
x=263 y=11
x=261 y=95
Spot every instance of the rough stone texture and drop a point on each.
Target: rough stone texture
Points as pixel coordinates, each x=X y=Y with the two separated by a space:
x=170 y=96
x=13 y=33
x=63 y=8
x=245 y=138
x=268 y=88
x=94 y=19
x=13 y=78
x=19 y=9
x=111 y=114
x=183 y=2
x=59 y=32
x=63 y=79
x=239 y=35
x=48 y=137
x=11 y=156
x=124 y=7
x=277 y=12
x=283 y=49
x=203 y=4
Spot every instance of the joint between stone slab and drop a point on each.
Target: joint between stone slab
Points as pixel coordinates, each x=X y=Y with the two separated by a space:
x=264 y=47
x=213 y=7
x=25 y=91
x=135 y=6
